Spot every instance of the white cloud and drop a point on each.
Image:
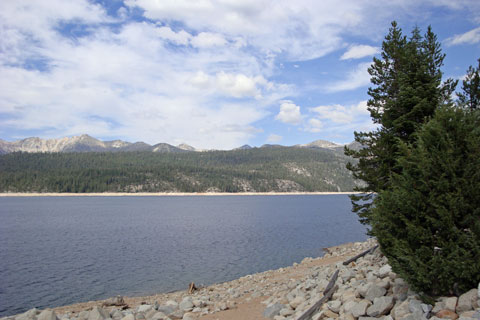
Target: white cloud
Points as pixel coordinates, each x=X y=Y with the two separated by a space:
x=237 y=85
x=182 y=37
x=337 y=119
x=469 y=37
x=341 y=114
x=274 y=138
x=359 y=51
x=289 y=113
x=314 y=125
x=207 y=40
x=357 y=78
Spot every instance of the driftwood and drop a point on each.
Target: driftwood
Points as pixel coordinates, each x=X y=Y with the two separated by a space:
x=360 y=255
x=327 y=294
x=331 y=287
x=191 y=288
x=114 y=301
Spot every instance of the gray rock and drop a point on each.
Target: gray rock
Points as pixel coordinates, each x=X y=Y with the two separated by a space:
x=400 y=310
x=384 y=271
x=83 y=315
x=415 y=306
x=334 y=306
x=116 y=314
x=129 y=317
x=177 y=314
x=400 y=289
x=467 y=301
x=29 y=315
x=450 y=303
x=98 y=313
x=188 y=316
x=296 y=302
x=414 y=316
x=273 y=310
x=186 y=304
x=144 y=308
x=360 y=309
x=169 y=309
x=381 y=306
x=47 y=315
x=375 y=291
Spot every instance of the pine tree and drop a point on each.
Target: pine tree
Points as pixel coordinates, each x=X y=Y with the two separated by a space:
x=470 y=97
x=407 y=90
x=428 y=221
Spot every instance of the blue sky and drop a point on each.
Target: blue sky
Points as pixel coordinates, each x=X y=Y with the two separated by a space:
x=209 y=73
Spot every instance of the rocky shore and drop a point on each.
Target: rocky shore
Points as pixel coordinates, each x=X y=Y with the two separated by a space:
x=365 y=289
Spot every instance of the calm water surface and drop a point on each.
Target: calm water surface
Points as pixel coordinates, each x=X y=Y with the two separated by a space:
x=60 y=250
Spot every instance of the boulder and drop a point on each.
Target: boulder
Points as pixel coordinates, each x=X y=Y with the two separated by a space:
x=384 y=271
x=29 y=315
x=375 y=291
x=451 y=303
x=296 y=302
x=360 y=309
x=129 y=317
x=400 y=310
x=144 y=308
x=446 y=314
x=186 y=304
x=98 y=313
x=47 y=315
x=273 y=310
x=334 y=306
x=381 y=306
x=467 y=301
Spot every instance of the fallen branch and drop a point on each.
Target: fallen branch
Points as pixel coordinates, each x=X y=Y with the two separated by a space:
x=327 y=294
x=360 y=255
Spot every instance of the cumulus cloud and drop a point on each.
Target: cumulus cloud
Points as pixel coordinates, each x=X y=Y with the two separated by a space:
x=337 y=119
x=357 y=78
x=207 y=40
x=469 y=37
x=359 y=51
x=238 y=85
x=182 y=37
x=289 y=113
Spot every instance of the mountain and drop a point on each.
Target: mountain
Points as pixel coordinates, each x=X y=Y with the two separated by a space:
x=321 y=144
x=86 y=143
x=244 y=147
x=83 y=143
x=186 y=147
x=267 y=169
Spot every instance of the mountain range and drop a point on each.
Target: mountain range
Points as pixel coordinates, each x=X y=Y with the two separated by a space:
x=86 y=143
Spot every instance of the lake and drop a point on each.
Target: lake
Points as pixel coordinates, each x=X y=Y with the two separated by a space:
x=61 y=250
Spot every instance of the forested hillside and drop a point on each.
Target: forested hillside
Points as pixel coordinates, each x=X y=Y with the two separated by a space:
x=279 y=169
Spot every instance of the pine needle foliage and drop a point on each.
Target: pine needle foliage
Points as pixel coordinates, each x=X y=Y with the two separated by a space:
x=407 y=89
x=428 y=221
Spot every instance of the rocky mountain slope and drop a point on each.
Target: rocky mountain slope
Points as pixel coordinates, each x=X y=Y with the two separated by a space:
x=86 y=143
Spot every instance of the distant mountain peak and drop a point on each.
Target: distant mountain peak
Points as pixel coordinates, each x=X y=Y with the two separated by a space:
x=186 y=147
x=321 y=144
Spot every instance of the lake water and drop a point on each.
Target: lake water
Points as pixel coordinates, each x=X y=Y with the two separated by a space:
x=61 y=250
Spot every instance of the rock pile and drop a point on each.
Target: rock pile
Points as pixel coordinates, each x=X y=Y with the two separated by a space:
x=366 y=289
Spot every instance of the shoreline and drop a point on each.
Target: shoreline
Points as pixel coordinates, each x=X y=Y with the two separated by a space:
x=168 y=194
x=242 y=298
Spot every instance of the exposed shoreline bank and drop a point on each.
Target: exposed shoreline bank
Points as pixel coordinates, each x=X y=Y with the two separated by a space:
x=328 y=287
x=169 y=194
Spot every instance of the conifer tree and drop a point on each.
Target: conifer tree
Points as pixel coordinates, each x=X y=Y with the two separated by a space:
x=428 y=221
x=407 y=89
x=470 y=97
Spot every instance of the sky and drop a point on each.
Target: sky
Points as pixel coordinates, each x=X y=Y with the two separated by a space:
x=215 y=74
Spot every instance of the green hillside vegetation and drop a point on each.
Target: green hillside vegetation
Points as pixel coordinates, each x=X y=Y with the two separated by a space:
x=280 y=169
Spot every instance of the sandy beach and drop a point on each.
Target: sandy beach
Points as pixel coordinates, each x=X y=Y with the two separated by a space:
x=169 y=194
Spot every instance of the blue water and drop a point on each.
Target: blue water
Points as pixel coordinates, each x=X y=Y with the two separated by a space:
x=60 y=250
